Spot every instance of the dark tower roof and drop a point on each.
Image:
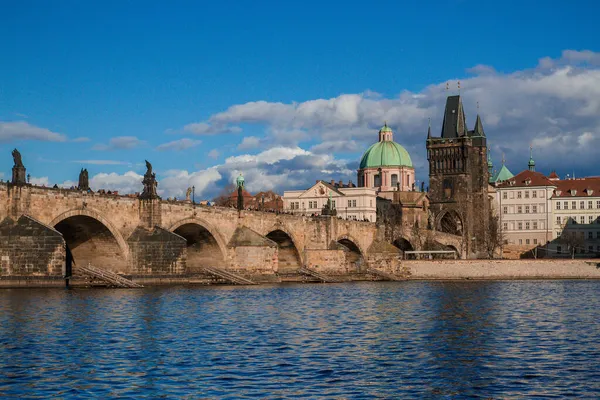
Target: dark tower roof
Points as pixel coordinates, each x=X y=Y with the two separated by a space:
x=454 y=124
x=429 y=130
x=478 y=130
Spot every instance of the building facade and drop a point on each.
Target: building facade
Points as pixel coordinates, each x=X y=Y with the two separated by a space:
x=524 y=203
x=355 y=203
x=576 y=217
x=458 y=178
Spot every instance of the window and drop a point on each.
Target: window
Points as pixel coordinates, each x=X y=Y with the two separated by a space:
x=349 y=203
x=534 y=240
x=333 y=203
x=518 y=194
x=297 y=205
x=582 y=220
x=527 y=194
x=534 y=194
x=520 y=241
x=566 y=204
x=558 y=220
x=597 y=203
x=590 y=219
x=527 y=225
x=371 y=203
x=535 y=225
x=590 y=235
x=504 y=195
x=377 y=180
x=526 y=209
x=520 y=225
x=526 y=241
x=558 y=205
x=582 y=204
x=310 y=205
x=574 y=205
x=505 y=226
x=590 y=204
x=504 y=210
x=519 y=209
x=534 y=209
x=353 y=203
x=394 y=180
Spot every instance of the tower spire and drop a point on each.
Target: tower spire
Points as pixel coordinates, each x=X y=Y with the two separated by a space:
x=531 y=163
x=429 y=129
x=490 y=164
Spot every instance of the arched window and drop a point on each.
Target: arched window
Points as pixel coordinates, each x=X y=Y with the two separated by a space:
x=378 y=180
x=407 y=180
x=394 y=180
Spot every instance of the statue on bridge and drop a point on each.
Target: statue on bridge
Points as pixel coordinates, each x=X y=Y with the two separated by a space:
x=18 y=170
x=150 y=184
x=84 y=182
x=328 y=208
x=188 y=194
x=240 y=192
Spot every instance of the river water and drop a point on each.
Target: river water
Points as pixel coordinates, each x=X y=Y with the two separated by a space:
x=500 y=339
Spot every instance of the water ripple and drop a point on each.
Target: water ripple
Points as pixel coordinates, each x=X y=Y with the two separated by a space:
x=366 y=340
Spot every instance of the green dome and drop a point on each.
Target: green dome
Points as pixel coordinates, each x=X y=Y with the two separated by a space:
x=240 y=180
x=503 y=175
x=385 y=128
x=385 y=153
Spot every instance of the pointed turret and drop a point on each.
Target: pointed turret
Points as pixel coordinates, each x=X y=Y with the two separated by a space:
x=454 y=124
x=429 y=130
x=531 y=163
x=478 y=130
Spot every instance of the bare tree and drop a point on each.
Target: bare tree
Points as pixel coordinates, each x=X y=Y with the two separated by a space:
x=495 y=237
x=224 y=197
x=573 y=240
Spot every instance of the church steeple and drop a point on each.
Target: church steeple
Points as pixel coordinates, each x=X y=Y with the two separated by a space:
x=490 y=165
x=478 y=130
x=429 y=130
x=531 y=163
x=454 y=124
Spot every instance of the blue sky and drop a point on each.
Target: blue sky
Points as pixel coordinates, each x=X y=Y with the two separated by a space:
x=287 y=92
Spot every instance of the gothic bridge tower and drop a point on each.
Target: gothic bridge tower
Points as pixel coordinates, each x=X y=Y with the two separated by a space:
x=458 y=178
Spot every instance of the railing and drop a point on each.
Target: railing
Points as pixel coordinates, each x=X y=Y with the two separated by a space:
x=319 y=276
x=107 y=276
x=431 y=252
x=228 y=276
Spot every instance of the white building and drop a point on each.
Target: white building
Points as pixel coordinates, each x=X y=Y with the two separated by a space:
x=524 y=204
x=350 y=202
x=576 y=210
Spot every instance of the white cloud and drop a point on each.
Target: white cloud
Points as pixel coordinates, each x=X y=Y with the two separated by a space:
x=203 y=128
x=336 y=146
x=178 y=145
x=130 y=182
x=176 y=182
x=41 y=181
x=21 y=130
x=120 y=143
x=214 y=154
x=249 y=142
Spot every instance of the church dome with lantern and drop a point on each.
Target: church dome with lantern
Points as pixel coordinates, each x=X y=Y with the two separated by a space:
x=386 y=165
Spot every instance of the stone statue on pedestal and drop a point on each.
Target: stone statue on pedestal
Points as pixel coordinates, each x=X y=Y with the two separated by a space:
x=84 y=182
x=240 y=192
x=150 y=184
x=188 y=194
x=18 y=170
x=328 y=208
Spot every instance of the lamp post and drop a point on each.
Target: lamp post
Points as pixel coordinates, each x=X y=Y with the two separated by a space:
x=194 y=195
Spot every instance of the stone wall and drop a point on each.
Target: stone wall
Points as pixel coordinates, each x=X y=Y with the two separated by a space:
x=157 y=252
x=30 y=248
x=328 y=262
x=251 y=253
x=503 y=269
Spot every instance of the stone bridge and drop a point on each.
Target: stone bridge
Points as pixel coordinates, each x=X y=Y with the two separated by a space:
x=43 y=229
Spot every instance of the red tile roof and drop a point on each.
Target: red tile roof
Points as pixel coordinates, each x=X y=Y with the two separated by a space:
x=553 y=175
x=527 y=178
x=582 y=187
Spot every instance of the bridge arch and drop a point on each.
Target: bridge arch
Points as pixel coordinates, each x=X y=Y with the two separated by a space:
x=355 y=257
x=203 y=239
x=403 y=244
x=289 y=256
x=91 y=238
x=450 y=221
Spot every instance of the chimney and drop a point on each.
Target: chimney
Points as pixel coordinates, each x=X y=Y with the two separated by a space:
x=341 y=183
x=332 y=182
x=318 y=181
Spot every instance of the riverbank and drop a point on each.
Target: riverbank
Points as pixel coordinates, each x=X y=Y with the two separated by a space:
x=410 y=270
x=503 y=269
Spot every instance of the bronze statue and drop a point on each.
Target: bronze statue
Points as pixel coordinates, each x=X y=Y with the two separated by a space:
x=17 y=158
x=84 y=183
x=149 y=183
